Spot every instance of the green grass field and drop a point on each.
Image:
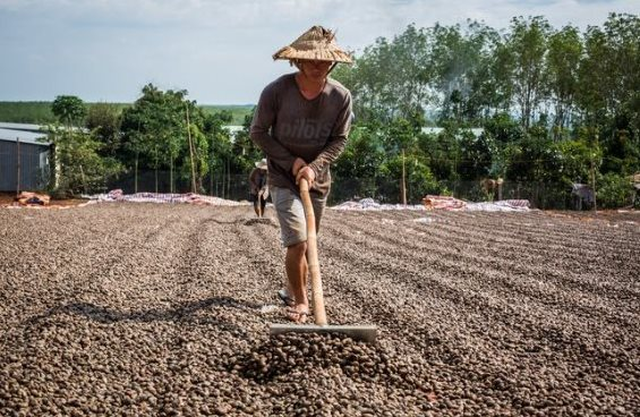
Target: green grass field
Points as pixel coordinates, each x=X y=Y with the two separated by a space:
x=39 y=112
x=238 y=111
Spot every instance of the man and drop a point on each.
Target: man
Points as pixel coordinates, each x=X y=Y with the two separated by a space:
x=301 y=123
x=259 y=188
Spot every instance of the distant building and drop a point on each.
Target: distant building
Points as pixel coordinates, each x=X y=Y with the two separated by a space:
x=22 y=152
x=233 y=129
x=477 y=131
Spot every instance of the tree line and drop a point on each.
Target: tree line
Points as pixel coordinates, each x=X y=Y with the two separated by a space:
x=554 y=106
x=181 y=144
x=39 y=112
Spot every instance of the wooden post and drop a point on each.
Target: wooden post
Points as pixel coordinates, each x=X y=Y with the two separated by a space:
x=18 y=166
x=211 y=170
x=54 y=163
x=156 y=149
x=593 y=173
x=404 y=183
x=593 y=186
x=211 y=178
x=171 y=174
x=53 y=166
x=228 y=178
x=224 y=177
x=191 y=152
x=135 y=176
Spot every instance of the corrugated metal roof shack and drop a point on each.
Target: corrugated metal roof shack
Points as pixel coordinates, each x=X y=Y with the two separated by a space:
x=33 y=161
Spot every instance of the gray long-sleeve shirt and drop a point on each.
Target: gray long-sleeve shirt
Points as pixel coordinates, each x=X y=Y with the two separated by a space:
x=286 y=125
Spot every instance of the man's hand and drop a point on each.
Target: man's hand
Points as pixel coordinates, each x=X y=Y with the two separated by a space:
x=308 y=174
x=301 y=170
x=298 y=164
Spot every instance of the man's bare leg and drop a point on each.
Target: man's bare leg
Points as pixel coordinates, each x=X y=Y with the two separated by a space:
x=296 y=266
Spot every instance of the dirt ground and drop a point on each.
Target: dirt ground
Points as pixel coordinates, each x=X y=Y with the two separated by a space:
x=150 y=309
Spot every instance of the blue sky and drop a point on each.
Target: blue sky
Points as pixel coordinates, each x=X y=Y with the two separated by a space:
x=218 y=50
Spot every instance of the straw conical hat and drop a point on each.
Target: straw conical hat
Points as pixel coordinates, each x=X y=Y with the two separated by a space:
x=318 y=44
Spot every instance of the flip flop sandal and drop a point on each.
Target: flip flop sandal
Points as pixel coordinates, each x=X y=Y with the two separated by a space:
x=286 y=298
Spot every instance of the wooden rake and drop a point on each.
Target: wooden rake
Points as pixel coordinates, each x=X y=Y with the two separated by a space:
x=366 y=333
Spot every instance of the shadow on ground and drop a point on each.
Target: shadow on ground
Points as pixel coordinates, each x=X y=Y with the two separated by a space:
x=182 y=313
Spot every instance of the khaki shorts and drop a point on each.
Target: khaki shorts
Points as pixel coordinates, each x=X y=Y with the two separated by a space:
x=293 y=223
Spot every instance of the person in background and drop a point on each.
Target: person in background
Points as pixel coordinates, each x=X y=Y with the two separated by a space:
x=301 y=123
x=259 y=187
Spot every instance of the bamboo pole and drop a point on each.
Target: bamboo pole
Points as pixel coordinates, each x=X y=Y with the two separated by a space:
x=593 y=186
x=156 y=149
x=171 y=174
x=593 y=176
x=18 y=166
x=193 y=167
x=224 y=177
x=228 y=178
x=53 y=168
x=211 y=178
x=135 y=176
x=404 y=181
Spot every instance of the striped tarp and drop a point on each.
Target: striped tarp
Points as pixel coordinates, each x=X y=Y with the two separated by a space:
x=146 y=197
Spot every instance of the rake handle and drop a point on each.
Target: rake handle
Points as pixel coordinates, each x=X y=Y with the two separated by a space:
x=319 y=313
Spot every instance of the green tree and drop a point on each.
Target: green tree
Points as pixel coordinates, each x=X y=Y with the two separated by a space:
x=565 y=52
x=156 y=131
x=200 y=157
x=476 y=156
x=533 y=159
x=357 y=170
x=70 y=110
x=576 y=157
x=399 y=135
x=497 y=86
x=104 y=120
x=221 y=152
x=81 y=168
x=246 y=152
x=461 y=63
x=527 y=44
x=400 y=142
x=419 y=179
x=503 y=129
x=608 y=95
x=594 y=82
x=614 y=191
x=392 y=78
x=142 y=127
x=442 y=154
